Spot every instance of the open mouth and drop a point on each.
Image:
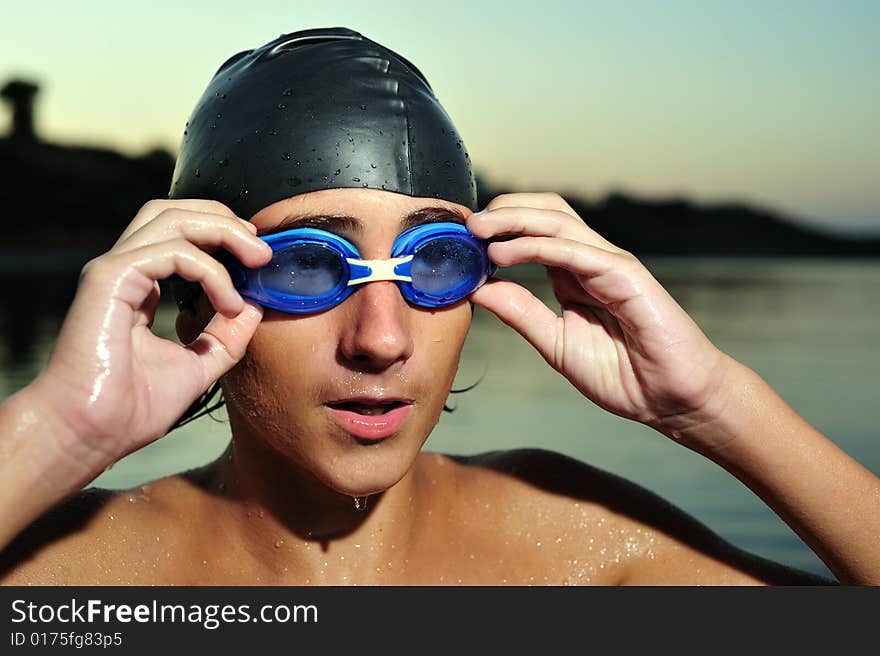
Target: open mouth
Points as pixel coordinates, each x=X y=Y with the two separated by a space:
x=369 y=409
x=370 y=419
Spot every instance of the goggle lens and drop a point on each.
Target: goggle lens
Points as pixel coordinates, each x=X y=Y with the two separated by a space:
x=441 y=266
x=305 y=269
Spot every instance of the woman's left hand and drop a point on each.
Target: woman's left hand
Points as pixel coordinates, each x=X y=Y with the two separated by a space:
x=621 y=339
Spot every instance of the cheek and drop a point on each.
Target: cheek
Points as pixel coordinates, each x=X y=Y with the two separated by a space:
x=444 y=335
x=278 y=375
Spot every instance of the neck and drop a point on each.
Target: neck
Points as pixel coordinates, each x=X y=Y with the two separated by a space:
x=300 y=529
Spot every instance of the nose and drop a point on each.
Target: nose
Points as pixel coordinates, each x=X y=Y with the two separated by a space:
x=377 y=333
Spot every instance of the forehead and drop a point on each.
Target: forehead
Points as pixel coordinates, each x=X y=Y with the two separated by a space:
x=357 y=213
x=368 y=205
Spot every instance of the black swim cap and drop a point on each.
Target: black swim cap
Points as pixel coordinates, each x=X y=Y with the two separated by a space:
x=319 y=109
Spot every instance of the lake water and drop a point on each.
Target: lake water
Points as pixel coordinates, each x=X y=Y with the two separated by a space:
x=809 y=327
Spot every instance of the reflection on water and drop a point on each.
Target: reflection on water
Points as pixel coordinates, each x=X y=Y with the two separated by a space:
x=809 y=327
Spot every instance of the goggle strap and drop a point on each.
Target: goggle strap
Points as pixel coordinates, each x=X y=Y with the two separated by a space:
x=380 y=269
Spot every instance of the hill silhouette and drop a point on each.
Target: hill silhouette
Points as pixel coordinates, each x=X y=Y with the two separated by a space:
x=76 y=200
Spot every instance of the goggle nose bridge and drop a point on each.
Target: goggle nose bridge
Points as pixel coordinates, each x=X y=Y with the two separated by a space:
x=364 y=271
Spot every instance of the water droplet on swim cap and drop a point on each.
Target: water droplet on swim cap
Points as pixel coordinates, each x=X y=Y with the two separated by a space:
x=337 y=86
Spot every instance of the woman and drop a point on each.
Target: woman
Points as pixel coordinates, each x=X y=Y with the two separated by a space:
x=329 y=132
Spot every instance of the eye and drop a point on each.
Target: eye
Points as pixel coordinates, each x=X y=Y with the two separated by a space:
x=303 y=270
x=443 y=263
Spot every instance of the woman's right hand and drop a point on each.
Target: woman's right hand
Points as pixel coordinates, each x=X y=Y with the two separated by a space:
x=114 y=384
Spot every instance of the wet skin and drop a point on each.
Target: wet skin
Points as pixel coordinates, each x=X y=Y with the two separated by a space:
x=277 y=507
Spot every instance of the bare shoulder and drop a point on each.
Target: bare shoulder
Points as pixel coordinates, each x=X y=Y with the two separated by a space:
x=98 y=536
x=585 y=525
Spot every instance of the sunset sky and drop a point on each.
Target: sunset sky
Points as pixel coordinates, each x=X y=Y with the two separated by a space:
x=775 y=103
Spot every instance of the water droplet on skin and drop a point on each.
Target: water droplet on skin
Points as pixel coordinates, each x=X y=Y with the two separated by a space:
x=337 y=172
x=285 y=156
x=282 y=106
x=279 y=543
x=372 y=166
x=364 y=184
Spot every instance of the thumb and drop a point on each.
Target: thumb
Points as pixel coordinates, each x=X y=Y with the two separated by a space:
x=521 y=310
x=224 y=341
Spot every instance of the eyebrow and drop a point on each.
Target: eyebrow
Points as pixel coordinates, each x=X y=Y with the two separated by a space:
x=346 y=224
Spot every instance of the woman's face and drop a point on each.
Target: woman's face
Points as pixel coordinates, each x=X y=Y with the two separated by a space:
x=305 y=376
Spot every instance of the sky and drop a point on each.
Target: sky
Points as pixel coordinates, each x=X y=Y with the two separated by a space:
x=771 y=103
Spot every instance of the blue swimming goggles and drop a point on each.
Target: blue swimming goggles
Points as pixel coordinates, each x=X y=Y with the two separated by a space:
x=312 y=270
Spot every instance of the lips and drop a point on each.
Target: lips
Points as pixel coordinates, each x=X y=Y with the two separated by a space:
x=370 y=418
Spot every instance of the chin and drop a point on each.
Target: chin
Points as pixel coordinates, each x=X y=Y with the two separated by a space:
x=366 y=469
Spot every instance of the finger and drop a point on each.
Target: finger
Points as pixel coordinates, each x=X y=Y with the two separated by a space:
x=535 y=222
x=544 y=200
x=146 y=314
x=224 y=341
x=576 y=257
x=568 y=290
x=156 y=261
x=521 y=310
x=619 y=281
x=206 y=231
x=153 y=208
